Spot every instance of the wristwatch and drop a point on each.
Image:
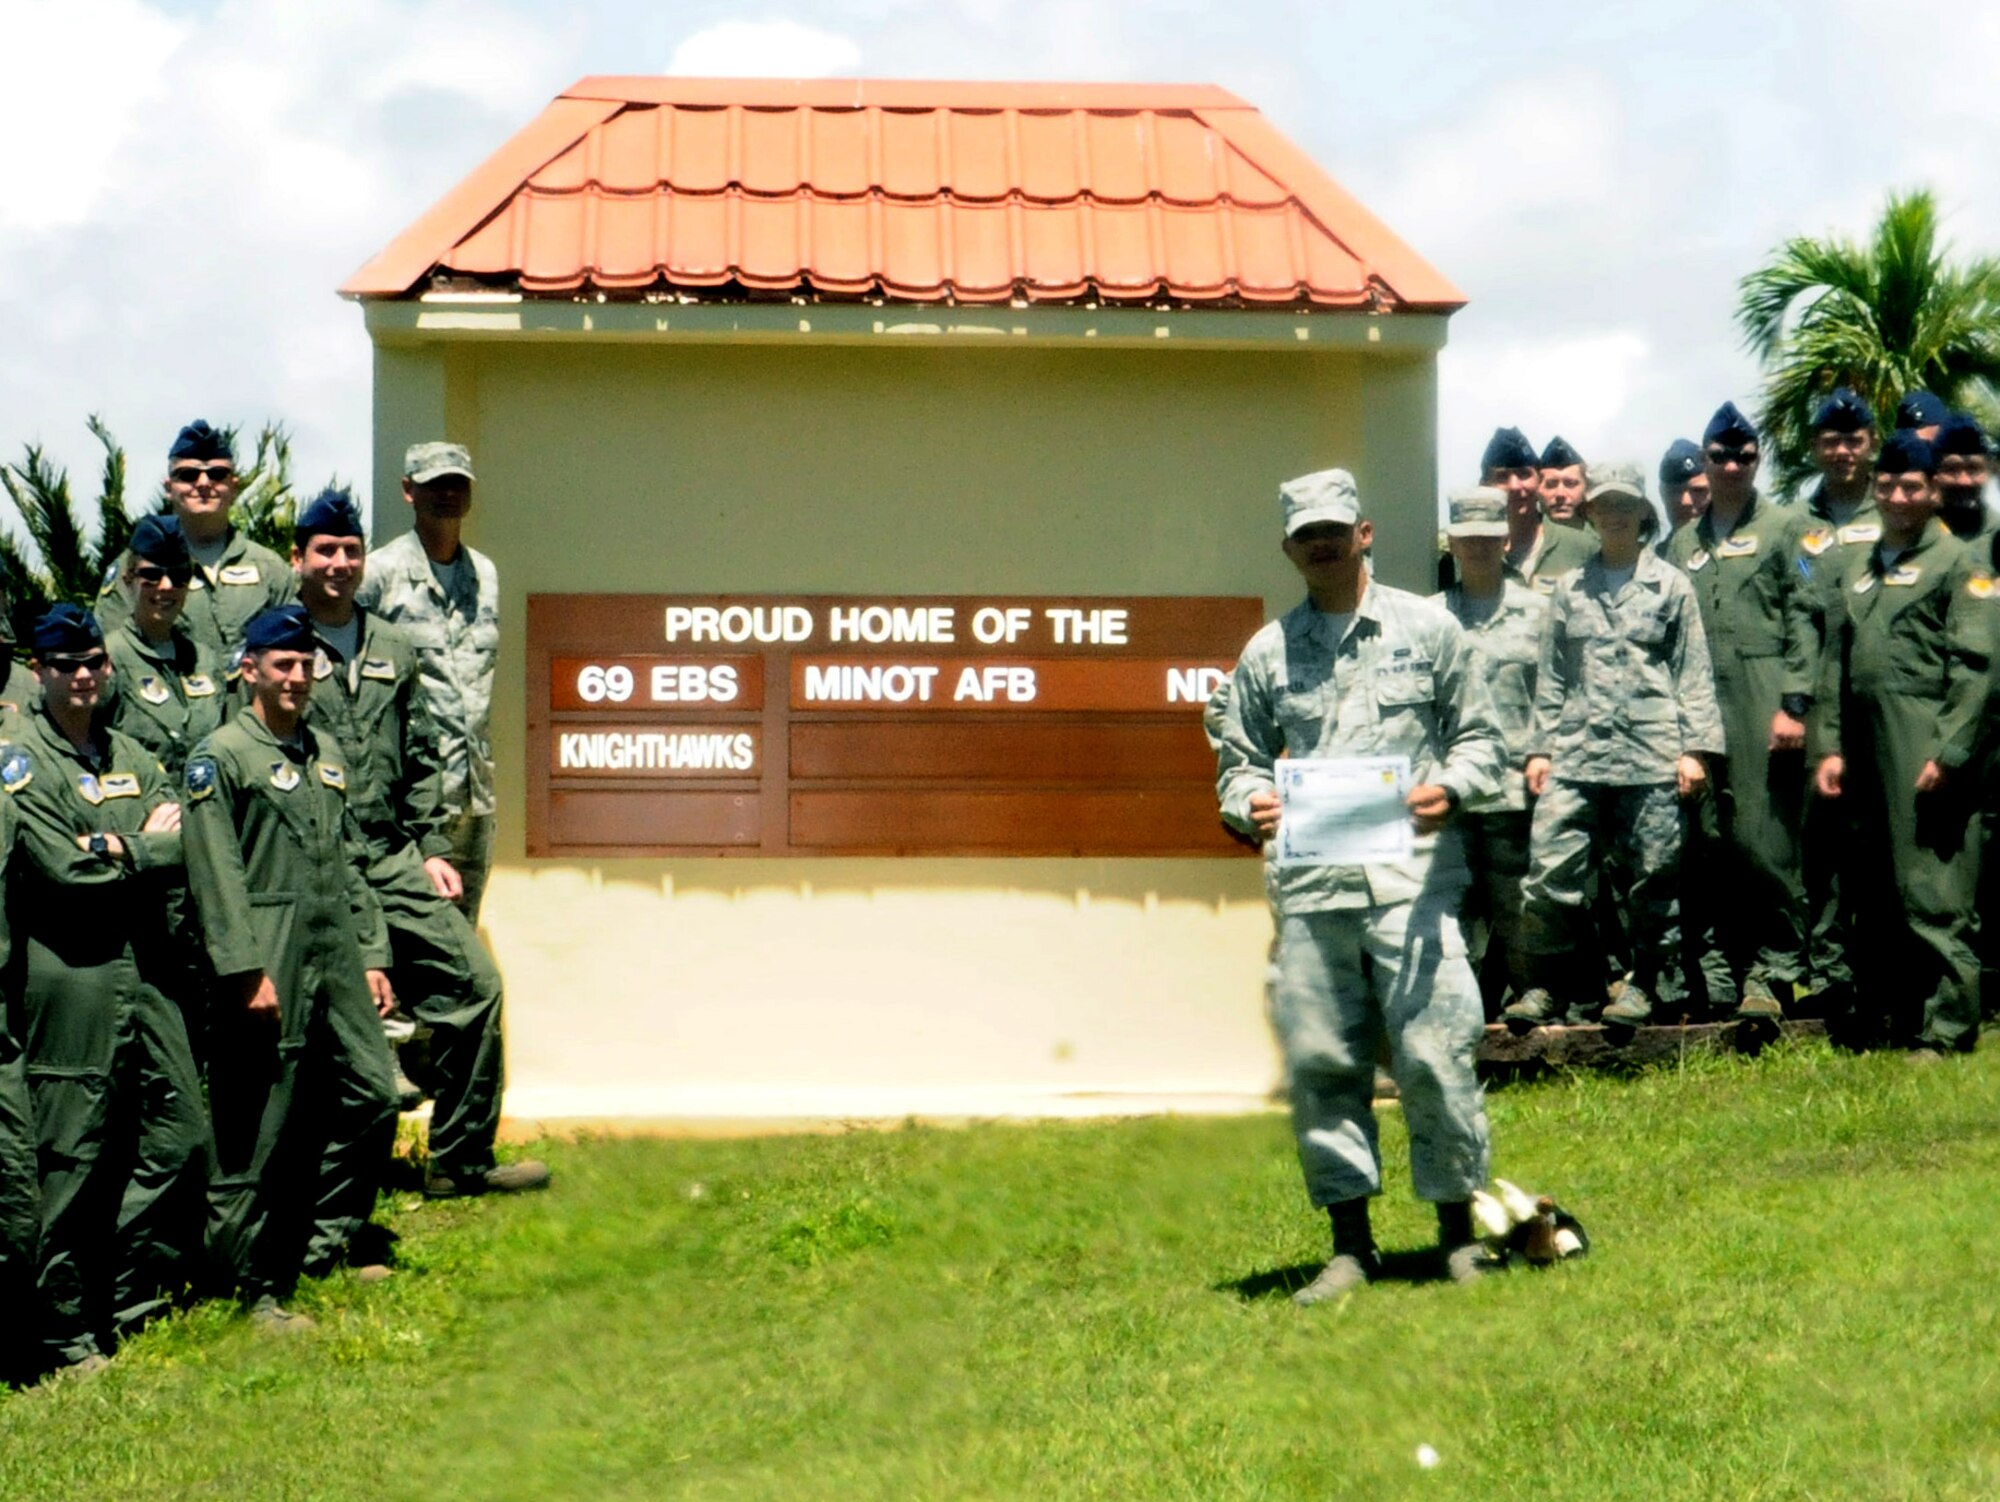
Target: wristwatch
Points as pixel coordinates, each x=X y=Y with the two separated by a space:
x=1795 y=705
x=100 y=846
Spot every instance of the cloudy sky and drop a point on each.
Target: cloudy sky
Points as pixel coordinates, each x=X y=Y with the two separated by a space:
x=186 y=181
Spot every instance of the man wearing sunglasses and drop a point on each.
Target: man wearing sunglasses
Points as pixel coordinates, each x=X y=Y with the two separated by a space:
x=233 y=577
x=446 y=594
x=1755 y=609
x=368 y=696
x=109 y=1066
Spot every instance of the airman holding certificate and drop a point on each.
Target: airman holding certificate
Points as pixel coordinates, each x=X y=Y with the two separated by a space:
x=1369 y=950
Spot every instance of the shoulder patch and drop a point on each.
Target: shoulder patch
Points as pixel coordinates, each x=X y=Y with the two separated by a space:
x=199 y=778
x=1816 y=541
x=110 y=579
x=240 y=573
x=17 y=769
x=233 y=669
x=322 y=664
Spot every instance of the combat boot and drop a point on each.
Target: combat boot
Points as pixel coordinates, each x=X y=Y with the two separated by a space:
x=1533 y=1008
x=1758 y=1004
x=1341 y=1276
x=505 y=1178
x=1632 y=1008
x=269 y=1316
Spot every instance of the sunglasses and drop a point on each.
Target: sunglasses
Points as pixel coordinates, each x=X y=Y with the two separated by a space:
x=189 y=474
x=1732 y=456
x=147 y=573
x=69 y=667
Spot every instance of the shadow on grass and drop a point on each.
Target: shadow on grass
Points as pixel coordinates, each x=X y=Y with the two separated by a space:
x=1421 y=1266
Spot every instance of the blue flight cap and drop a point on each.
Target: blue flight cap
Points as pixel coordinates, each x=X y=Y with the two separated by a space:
x=1842 y=411
x=1508 y=448
x=159 y=539
x=66 y=628
x=1920 y=409
x=1904 y=452
x=199 y=441
x=1959 y=433
x=1681 y=464
x=1558 y=454
x=282 y=628
x=1728 y=426
x=331 y=513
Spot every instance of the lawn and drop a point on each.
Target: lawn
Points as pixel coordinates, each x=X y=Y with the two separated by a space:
x=1792 y=1295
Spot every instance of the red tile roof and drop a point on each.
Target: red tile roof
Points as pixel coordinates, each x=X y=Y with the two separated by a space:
x=911 y=192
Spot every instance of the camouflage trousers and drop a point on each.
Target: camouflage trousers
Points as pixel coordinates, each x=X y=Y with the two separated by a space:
x=1630 y=837
x=1345 y=983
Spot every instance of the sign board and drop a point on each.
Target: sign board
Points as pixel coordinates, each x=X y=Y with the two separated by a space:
x=830 y=725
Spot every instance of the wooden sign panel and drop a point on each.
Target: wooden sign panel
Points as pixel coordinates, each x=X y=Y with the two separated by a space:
x=830 y=725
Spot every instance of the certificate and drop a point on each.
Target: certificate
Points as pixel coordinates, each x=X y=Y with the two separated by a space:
x=1343 y=810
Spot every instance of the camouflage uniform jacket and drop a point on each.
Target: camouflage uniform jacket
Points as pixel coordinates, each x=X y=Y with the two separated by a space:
x=1625 y=688
x=1401 y=681
x=457 y=636
x=1507 y=642
x=247 y=578
x=372 y=708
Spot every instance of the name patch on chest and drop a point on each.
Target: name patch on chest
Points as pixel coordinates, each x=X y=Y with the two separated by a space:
x=284 y=776
x=240 y=573
x=1860 y=532
x=1904 y=576
x=1736 y=547
x=119 y=784
x=378 y=668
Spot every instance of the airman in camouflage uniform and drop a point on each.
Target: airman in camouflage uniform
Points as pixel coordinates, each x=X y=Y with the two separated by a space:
x=1504 y=622
x=1625 y=715
x=445 y=594
x=1372 y=953
x=1741 y=557
x=1900 y=728
x=368 y=696
x=299 y=1075
x=20 y=1200
x=116 y=1097
x=234 y=577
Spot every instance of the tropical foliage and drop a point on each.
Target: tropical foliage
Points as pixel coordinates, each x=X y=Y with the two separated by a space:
x=60 y=559
x=1885 y=317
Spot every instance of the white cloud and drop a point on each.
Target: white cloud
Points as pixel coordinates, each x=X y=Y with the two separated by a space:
x=61 y=142
x=1579 y=385
x=776 y=48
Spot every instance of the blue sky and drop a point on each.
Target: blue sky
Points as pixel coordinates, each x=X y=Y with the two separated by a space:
x=186 y=183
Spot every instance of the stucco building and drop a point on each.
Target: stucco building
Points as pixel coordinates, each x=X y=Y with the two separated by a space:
x=729 y=338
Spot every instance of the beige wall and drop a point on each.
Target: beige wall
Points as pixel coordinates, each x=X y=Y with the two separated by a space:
x=873 y=987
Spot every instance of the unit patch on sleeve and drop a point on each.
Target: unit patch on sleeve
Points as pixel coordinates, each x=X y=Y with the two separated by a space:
x=17 y=770
x=200 y=778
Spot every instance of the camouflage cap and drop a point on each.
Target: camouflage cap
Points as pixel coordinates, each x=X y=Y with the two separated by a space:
x=1326 y=495
x=425 y=462
x=1478 y=512
x=1612 y=481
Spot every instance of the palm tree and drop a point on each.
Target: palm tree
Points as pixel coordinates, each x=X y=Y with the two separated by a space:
x=64 y=564
x=1886 y=317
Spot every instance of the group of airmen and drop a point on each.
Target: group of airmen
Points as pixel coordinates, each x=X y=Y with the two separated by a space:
x=245 y=828
x=1738 y=766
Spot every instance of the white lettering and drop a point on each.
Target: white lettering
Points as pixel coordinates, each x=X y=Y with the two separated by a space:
x=679 y=619
x=1098 y=628
x=854 y=683
x=984 y=685
x=656 y=751
x=1193 y=685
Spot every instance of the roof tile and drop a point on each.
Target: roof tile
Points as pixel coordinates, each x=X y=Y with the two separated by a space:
x=912 y=192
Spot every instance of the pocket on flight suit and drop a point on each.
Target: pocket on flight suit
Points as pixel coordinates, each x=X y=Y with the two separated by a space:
x=274 y=916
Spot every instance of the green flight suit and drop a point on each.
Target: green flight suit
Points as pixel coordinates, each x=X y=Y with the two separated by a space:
x=1827 y=549
x=304 y=1105
x=1756 y=614
x=169 y=697
x=1906 y=680
x=20 y=1197
x=374 y=706
x=118 y=1119
x=20 y=695
x=247 y=578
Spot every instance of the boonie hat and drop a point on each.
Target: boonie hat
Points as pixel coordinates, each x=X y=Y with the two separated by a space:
x=1622 y=481
x=425 y=462
x=1478 y=512
x=1325 y=495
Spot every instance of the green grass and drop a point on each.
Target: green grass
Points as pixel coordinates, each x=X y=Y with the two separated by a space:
x=1793 y=1296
